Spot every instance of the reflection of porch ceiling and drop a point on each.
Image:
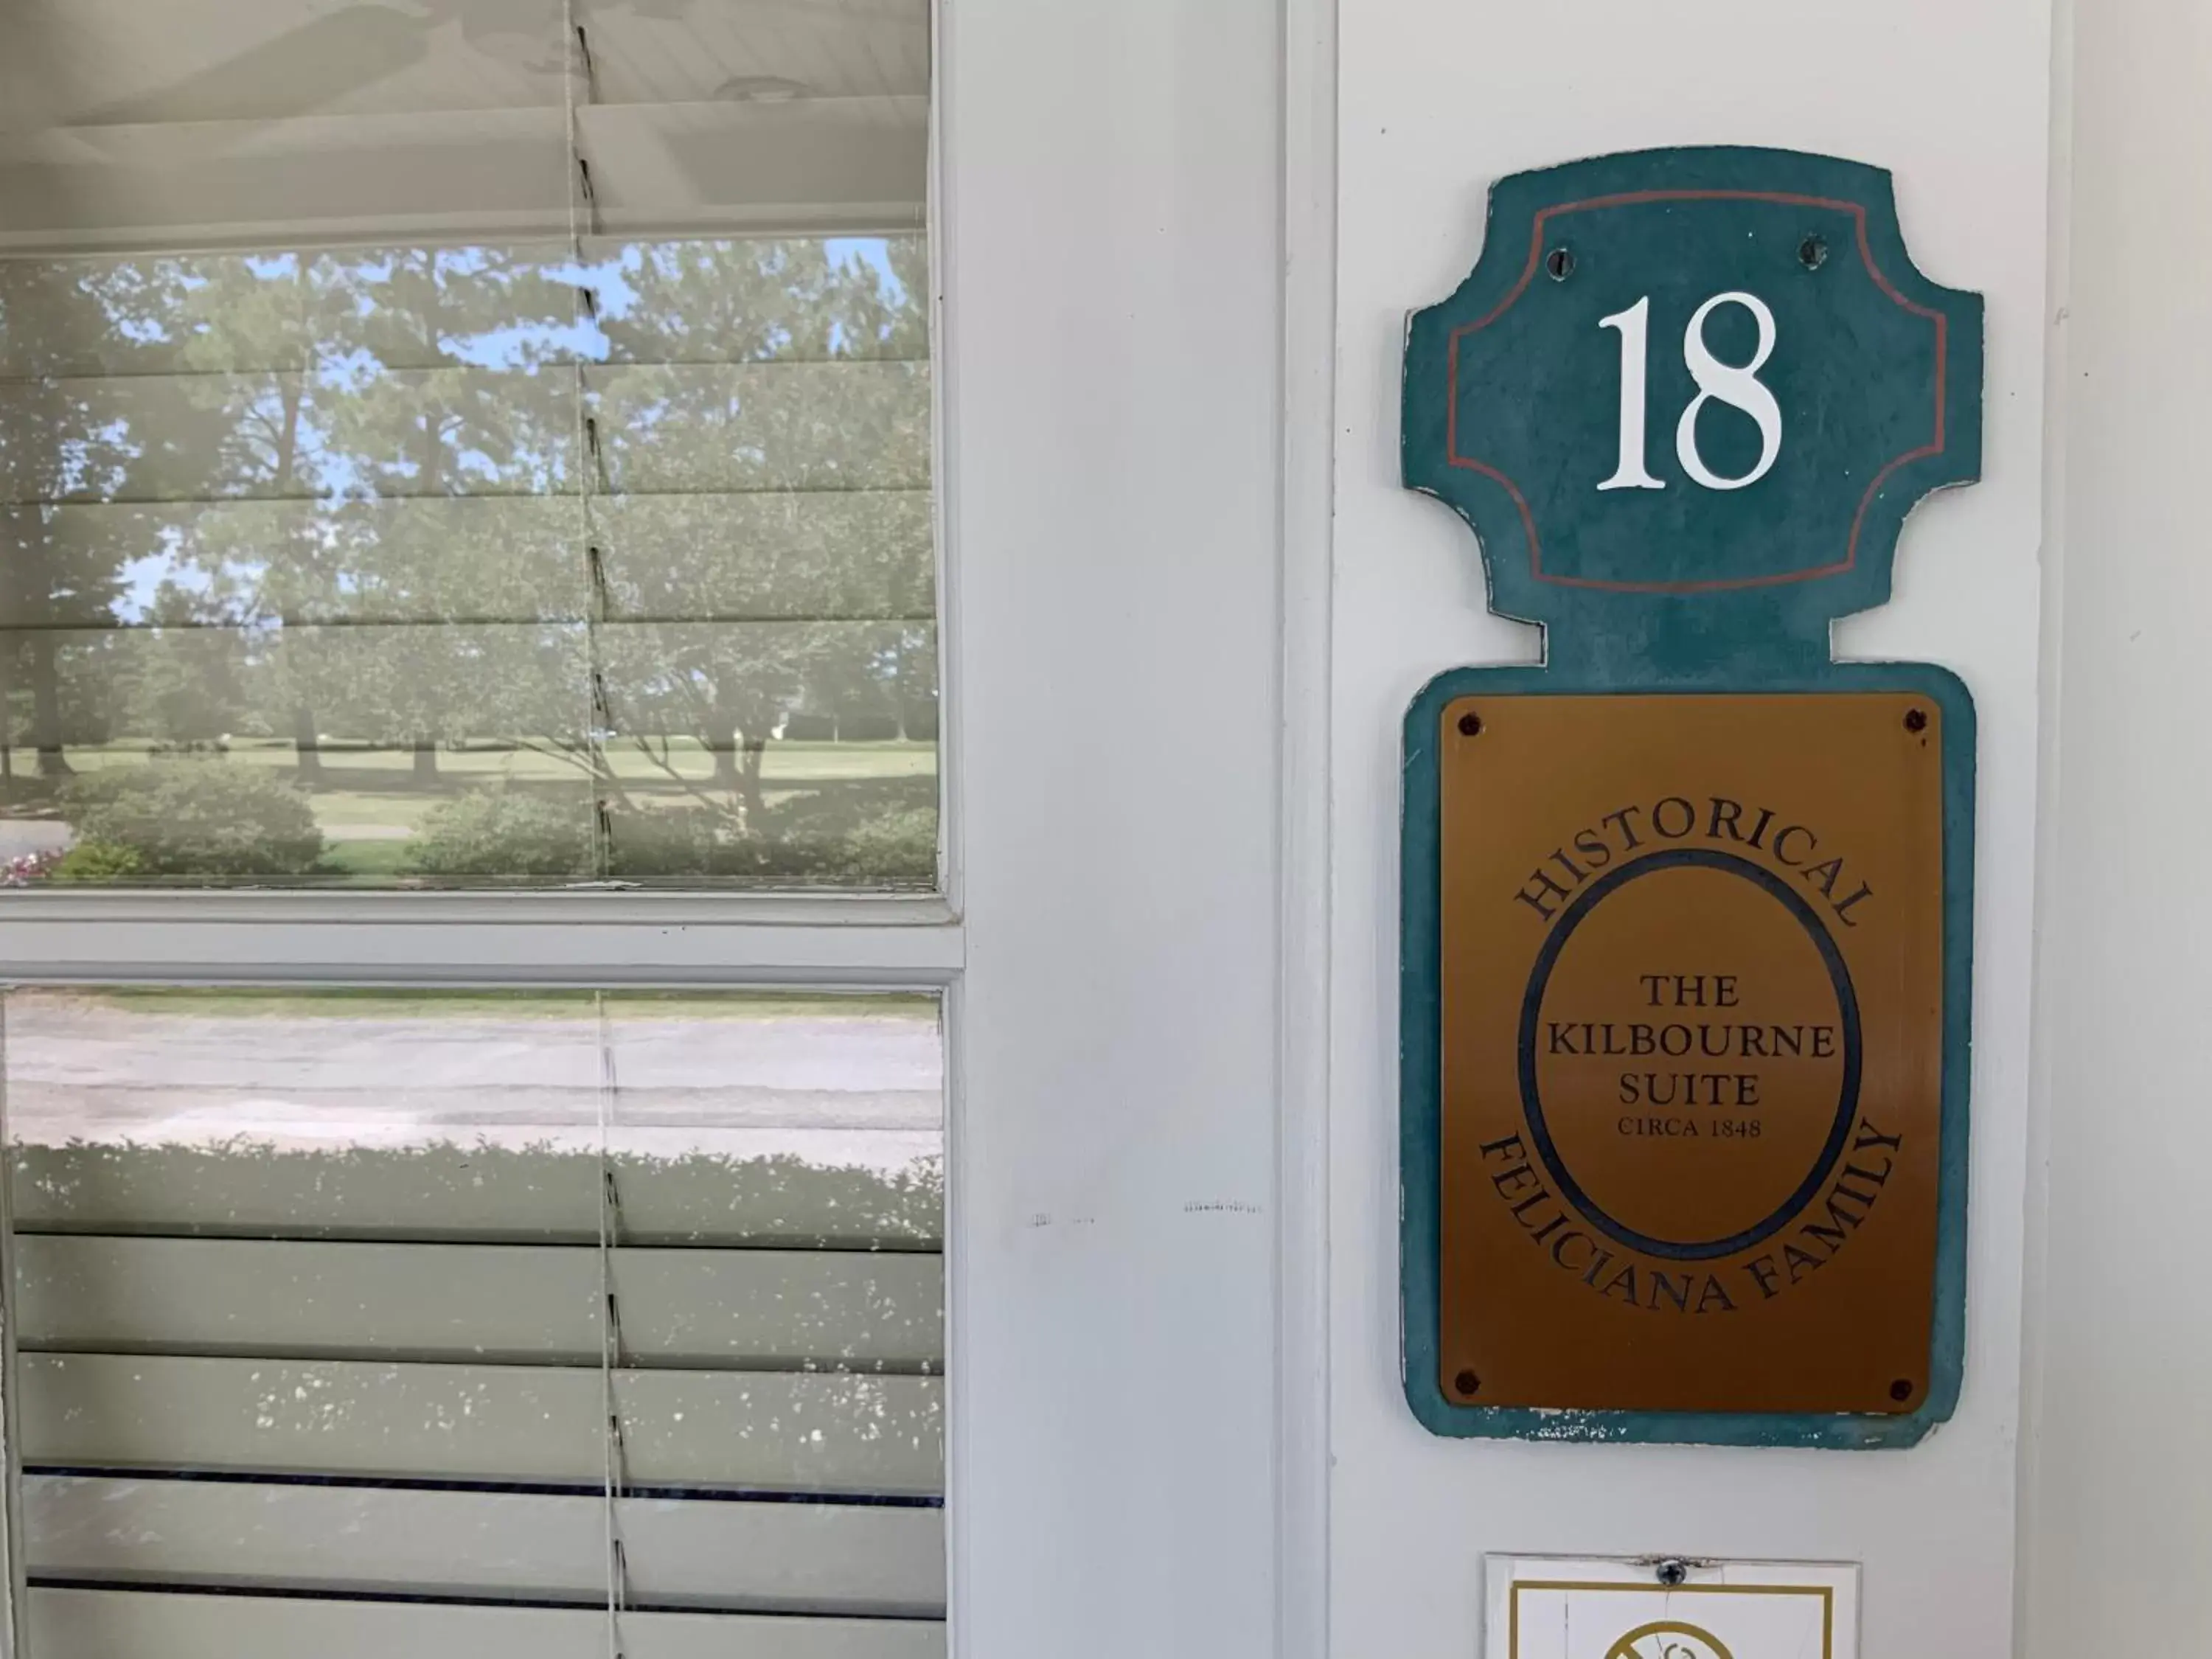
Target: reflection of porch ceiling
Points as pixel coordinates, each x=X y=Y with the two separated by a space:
x=209 y=121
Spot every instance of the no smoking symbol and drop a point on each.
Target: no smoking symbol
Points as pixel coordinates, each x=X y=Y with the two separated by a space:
x=1668 y=1639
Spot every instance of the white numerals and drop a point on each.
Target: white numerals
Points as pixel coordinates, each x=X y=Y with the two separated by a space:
x=1736 y=385
x=1635 y=326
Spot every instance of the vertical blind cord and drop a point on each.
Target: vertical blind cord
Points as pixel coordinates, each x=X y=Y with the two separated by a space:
x=14 y=1547
x=610 y=1341
x=583 y=218
x=577 y=50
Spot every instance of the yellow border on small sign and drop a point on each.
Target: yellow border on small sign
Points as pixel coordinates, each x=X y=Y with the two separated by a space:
x=1826 y=1592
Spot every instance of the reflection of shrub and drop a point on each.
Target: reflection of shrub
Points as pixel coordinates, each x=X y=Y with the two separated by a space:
x=197 y=818
x=896 y=850
x=893 y=847
x=95 y=861
x=641 y=845
x=487 y=834
x=877 y=834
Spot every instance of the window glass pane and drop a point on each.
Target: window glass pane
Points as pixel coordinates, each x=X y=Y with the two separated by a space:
x=476 y=442
x=515 y=1311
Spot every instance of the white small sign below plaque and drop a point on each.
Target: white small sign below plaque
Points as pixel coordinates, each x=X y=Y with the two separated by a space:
x=1547 y=1607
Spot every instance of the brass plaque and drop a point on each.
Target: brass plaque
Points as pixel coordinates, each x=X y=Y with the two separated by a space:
x=1690 y=986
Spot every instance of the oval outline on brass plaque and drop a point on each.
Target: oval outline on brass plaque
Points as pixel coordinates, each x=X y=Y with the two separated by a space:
x=1847 y=1006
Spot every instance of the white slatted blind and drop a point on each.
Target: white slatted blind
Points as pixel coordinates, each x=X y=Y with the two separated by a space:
x=495 y=1413
x=131 y=123
x=503 y=423
x=471 y=443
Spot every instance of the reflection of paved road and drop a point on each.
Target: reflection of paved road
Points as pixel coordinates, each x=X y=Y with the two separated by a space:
x=858 y=1090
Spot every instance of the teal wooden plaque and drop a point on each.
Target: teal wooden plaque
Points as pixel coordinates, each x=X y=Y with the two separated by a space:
x=1687 y=911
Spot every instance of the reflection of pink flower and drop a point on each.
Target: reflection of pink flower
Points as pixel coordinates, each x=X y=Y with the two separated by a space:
x=27 y=867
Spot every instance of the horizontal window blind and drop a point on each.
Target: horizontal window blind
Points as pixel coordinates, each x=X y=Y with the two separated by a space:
x=478 y=442
x=355 y=1322
x=250 y=121
x=471 y=443
x=106 y=1626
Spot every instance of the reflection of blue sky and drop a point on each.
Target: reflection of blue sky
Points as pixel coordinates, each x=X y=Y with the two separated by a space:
x=868 y=250
x=370 y=282
x=526 y=345
x=143 y=579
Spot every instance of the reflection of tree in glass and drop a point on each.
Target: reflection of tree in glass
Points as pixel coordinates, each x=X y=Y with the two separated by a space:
x=769 y=539
x=342 y=492
x=56 y=445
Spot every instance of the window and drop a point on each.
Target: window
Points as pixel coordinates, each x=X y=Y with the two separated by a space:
x=484 y=443
x=1102 y=912
x=430 y=1322
x=472 y=444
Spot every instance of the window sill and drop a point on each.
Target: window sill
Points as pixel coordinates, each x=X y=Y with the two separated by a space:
x=534 y=937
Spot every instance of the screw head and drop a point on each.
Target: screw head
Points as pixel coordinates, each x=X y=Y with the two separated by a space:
x=1813 y=253
x=1916 y=720
x=1560 y=262
x=1470 y=724
x=1467 y=1383
x=1901 y=1390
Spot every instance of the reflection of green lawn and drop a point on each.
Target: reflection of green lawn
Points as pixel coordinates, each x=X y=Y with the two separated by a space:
x=783 y=762
x=361 y=859
x=336 y=809
x=363 y=787
x=370 y=807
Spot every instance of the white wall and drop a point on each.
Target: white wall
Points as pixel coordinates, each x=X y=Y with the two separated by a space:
x=1113 y=332
x=1437 y=100
x=2118 y=1472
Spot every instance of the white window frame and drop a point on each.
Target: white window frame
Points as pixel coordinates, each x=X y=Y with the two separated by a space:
x=1137 y=1065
